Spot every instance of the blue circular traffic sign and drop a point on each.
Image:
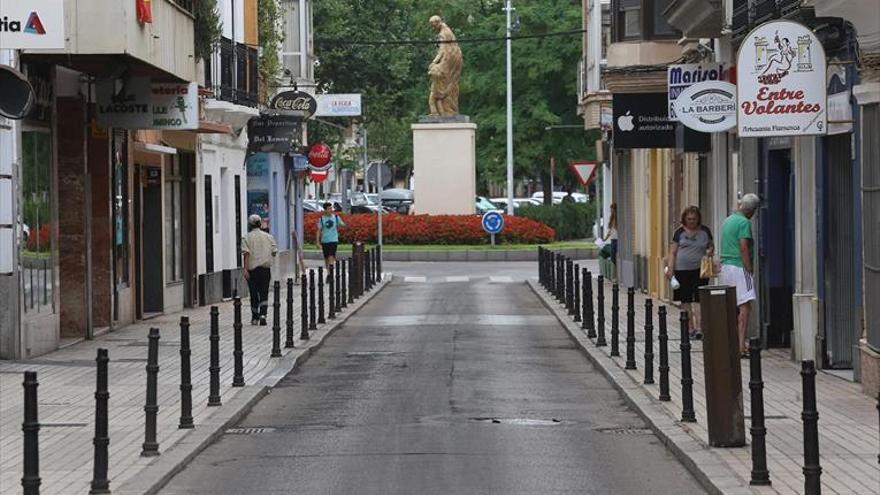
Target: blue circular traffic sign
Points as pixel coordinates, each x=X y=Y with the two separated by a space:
x=493 y=222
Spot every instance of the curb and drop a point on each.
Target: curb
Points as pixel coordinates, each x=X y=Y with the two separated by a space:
x=158 y=473
x=478 y=255
x=710 y=471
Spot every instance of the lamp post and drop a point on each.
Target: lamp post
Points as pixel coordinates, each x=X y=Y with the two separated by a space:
x=509 y=10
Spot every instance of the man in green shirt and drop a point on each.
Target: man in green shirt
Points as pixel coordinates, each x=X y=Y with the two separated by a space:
x=736 y=261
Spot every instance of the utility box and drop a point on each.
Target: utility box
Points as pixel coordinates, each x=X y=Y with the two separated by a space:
x=721 y=365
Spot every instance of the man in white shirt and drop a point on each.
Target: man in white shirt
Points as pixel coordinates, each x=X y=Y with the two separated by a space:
x=258 y=249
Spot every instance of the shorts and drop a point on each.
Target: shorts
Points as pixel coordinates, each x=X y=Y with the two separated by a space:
x=689 y=281
x=329 y=249
x=738 y=277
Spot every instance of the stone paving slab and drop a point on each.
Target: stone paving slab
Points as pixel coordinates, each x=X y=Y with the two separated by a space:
x=849 y=441
x=67 y=385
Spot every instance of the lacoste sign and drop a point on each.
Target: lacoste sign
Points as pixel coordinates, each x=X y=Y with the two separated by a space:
x=32 y=24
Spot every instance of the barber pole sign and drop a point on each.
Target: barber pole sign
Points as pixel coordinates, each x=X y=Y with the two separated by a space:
x=781 y=87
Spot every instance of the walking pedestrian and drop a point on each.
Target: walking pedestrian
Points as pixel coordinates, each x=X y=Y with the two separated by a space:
x=736 y=262
x=258 y=249
x=611 y=234
x=328 y=236
x=690 y=243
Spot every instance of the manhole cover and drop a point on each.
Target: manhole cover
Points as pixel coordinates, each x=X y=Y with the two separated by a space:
x=249 y=431
x=520 y=421
x=625 y=431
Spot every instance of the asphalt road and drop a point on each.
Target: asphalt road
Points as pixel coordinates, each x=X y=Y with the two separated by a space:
x=441 y=388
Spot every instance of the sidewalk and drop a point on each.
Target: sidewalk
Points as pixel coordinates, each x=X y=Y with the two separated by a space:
x=67 y=386
x=848 y=425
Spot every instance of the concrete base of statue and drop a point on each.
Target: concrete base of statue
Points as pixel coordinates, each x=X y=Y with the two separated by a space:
x=444 y=165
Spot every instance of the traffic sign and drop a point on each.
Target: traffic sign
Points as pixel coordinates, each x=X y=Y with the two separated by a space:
x=493 y=222
x=585 y=171
x=319 y=175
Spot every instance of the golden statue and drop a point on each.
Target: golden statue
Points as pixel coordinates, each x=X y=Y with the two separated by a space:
x=444 y=71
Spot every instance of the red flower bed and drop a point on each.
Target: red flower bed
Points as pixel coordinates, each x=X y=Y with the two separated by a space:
x=433 y=229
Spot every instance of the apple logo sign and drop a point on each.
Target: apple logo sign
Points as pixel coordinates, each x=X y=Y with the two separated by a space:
x=625 y=122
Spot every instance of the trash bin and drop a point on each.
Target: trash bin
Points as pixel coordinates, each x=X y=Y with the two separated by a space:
x=721 y=365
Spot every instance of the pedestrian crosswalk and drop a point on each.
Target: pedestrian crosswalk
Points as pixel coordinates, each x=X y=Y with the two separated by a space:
x=452 y=279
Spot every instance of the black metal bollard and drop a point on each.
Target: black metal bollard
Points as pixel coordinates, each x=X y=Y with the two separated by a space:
x=541 y=265
x=810 y=416
x=100 y=483
x=630 y=329
x=151 y=408
x=379 y=263
x=343 y=284
x=615 y=320
x=585 y=298
x=321 y=295
x=590 y=321
x=576 y=289
x=30 y=481
x=560 y=283
x=551 y=282
x=367 y=266
x=304 y=308
x=649 y=342
x=237 y=347
x=350 y=276
x=663 y=337
x=760 y=474
x=337 y=279
x=331 y=293
x=687 y=382
x=276 y=319
x=569 y=286
x=214 y=363
x=313 y=325
x=288 y=331
x=600 y=315
x=186 y=419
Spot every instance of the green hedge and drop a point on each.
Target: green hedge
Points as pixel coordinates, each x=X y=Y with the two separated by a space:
x=570 y=220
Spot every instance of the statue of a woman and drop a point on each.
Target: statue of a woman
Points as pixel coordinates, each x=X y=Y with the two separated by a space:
x=444 y=71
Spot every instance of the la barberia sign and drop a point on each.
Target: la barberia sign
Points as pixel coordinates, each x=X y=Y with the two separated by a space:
x=781 y=87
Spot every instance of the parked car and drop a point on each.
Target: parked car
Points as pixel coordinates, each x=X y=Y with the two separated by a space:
x=517 y=202
x=483 y=205
x=558 y=196
x=400 y=200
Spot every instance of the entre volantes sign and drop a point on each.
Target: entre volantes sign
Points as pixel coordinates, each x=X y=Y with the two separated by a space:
x=781 y=85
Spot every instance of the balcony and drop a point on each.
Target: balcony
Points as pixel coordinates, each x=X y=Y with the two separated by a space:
x=232 y=73
x=750 y=13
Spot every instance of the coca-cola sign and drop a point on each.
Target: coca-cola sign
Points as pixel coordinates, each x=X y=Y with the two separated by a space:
x=296 y=102
x=319 y=155
x=781 y=85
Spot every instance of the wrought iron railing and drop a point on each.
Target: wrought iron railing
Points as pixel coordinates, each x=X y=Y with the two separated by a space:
x=232 y=73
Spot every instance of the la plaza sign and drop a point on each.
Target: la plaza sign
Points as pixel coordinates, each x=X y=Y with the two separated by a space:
x=781 y=86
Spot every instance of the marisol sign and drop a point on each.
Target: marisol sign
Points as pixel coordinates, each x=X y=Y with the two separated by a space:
x=781 y=87
x=680 y=77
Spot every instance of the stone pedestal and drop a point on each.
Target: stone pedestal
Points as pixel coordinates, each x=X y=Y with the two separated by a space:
x=444 y=165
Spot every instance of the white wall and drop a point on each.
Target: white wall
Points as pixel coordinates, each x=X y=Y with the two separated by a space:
x=228 y=10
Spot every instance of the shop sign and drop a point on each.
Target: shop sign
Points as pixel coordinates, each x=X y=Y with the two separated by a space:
x=781 y=83
x=175 y=106
x=296 y=103
x=679 y=77
x=32 y=24
x=708 y=106
x=319 y=156
x=135 y=103
x=347 y=105
x=274 y=134
x=641 y=121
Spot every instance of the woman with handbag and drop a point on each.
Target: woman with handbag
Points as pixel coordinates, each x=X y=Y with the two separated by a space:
x=690 y=264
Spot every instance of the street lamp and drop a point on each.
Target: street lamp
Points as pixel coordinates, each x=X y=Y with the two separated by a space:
x=509 y=10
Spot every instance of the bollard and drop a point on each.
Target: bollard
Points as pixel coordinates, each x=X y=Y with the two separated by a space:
x=576 y=305
x=687 y=382
x=541 y=265
x=585 y=298
x=760 y=474
x=600 y=314
x=331 y=293
x=591 y=316
x=560 y=276
x=569 y=286
x=312 y=321
x=356 y=271
x=649 y=342
x=186 y=419
x=214 y=364
x=367 y=265
x=237 y=347
x=551 y=274
x=810 y=416
x=615 y=320
x=664 y=355
x=30 y=481
x=276 y=319
x=304 y=308
x=630 y=329
x=321 y=295
x=337 y=279
x=100 y=483
x=379 y=262
x=288 y=331
x=343 y=284
x=151 y=408
x=349 y=278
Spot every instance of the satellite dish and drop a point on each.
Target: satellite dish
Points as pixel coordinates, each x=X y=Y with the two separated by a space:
x=16 y=94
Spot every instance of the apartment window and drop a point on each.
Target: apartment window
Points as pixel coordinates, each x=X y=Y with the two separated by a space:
x=606 y=31
x=640 y=20
x=173 y=230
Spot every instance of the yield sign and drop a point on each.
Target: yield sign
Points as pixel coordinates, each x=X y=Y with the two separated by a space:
x=585 y=171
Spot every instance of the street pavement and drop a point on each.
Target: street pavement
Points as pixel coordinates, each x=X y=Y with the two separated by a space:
x=455 y=379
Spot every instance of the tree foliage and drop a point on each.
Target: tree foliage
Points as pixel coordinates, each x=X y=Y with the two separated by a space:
x=393 y=78
x=207 y=28
x=269 y=18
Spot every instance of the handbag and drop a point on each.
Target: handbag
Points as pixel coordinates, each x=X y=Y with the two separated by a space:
x=707 y=267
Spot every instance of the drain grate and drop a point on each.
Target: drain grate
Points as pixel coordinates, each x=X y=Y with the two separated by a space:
x=625 y=431
x=256 y=430
x=519 y=421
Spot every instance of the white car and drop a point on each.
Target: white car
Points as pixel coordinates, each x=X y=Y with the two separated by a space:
x=559 y=195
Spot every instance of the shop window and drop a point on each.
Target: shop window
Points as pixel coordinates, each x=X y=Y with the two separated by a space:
x=38 y=225
x=641 y=20
x=173 y=230
x=120 y=209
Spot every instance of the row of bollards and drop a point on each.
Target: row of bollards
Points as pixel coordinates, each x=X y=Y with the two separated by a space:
x=346 y=279
x=572 y=286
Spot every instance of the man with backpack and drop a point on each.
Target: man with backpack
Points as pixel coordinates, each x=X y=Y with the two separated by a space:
x=328 y=236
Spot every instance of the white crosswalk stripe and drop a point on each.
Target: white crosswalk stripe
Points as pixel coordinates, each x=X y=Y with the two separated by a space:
x=415 y=280
x=458 y=279
x=500 y=280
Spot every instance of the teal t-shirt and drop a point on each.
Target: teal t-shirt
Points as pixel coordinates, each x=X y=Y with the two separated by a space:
x=734 y=228
x=329 y=227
